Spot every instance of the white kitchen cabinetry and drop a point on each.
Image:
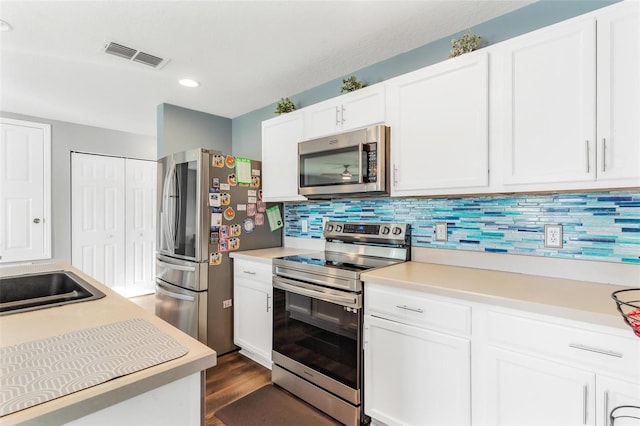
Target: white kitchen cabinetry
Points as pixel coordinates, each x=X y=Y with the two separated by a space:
x=524 y=390
x=252 y=311
x=618 y=141
x=416 y=359
x=356 y=109
x=439 y=128
x=555 y=134
x=25 y=191
x=280 y=137
x=540 y=370
x=549 y=105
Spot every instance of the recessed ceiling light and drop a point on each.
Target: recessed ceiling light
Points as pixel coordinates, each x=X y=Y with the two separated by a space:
x=5 y=26
x=189 y=83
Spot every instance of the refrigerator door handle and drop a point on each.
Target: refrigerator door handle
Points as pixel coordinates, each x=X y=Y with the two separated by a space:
x=176 y=267
x=188 y=298
x=168 y=213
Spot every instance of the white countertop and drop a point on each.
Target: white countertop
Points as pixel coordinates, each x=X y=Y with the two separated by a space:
x=571 y=299
x=34 y=325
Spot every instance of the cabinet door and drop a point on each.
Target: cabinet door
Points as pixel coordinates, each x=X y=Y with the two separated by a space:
x=280 y=137
x=549 y=106
x=25 y=191
x=252 y=318
x=357 y=109
x=414 y=376
x=524 y=390
x=140 y=220
x=613 y=393
x=619 y=94
x=439 y=127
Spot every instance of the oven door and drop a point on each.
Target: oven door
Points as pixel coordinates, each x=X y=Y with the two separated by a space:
x=317 y=335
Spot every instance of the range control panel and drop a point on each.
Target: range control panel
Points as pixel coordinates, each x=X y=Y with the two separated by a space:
x=366 y=231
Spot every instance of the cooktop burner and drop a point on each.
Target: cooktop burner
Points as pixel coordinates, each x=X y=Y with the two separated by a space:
x=340 y=261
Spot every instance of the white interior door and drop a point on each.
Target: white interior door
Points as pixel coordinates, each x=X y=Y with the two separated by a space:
x=98 y=218
x=140 y=220
x=25 y=188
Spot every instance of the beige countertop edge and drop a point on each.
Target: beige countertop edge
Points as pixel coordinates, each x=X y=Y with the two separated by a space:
x=266 y=255
x=40 y=324
x=548 y=296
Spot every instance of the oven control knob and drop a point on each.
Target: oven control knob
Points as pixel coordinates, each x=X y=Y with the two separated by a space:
x=397 y=230
x=338 y=228
x=385 y=230
x=329 y=227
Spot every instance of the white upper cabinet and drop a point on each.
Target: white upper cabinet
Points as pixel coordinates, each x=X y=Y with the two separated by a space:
x=25 y=191
x=549 y=105
x=618 y=142
x=356 y=109
x=280 y=137
x=439 y=127
x=570 y=102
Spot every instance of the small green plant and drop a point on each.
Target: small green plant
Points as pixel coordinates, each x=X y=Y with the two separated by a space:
x=467 y=43
x=285 y=105
x=350 y=84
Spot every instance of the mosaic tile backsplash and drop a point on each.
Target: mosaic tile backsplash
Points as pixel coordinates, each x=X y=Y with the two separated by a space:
x=601 y=226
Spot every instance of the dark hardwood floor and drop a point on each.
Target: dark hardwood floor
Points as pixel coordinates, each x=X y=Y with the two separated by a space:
x=232 y=378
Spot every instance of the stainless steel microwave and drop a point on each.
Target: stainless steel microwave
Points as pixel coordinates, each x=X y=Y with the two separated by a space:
x=354 y=163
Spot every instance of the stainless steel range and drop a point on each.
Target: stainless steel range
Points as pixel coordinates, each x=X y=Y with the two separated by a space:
x=318 y=311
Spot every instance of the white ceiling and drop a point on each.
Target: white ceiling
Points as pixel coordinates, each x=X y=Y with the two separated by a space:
x=245 y=54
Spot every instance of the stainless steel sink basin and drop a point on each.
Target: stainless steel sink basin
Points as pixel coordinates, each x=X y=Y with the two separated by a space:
x=44 y=290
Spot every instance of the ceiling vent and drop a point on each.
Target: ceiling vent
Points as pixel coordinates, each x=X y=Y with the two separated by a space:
x=135 y=55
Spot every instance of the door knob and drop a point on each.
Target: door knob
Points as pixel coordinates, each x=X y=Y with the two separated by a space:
x=36 y=220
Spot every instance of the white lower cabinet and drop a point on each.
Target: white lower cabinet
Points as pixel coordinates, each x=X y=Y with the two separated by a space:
x=524 y=390
x=423 y=364
x=539 y=370
x=414 y=375
x=252 y=316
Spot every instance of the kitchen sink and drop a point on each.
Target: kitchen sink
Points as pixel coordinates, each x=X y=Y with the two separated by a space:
x=30 y=292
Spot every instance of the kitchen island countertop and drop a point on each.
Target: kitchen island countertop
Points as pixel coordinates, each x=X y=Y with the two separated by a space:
x=571 y=299
x=44 y=323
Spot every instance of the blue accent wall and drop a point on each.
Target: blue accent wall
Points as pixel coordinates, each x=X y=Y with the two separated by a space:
x=601 y=226
x=247 y=128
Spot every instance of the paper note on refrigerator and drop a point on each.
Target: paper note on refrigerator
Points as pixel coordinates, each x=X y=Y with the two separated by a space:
x=274 y=217
x=243 y=170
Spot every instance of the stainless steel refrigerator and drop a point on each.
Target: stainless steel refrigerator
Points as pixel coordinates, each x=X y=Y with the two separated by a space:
x=210 y=204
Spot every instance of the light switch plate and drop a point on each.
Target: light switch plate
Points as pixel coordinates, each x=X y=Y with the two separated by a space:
x=441 y=231
x=553 y=236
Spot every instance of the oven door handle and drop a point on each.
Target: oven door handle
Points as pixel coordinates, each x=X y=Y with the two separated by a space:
x=312 y=291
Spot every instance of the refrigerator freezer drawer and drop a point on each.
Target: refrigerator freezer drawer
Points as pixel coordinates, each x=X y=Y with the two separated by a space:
x=182 y=273
x=184 y=309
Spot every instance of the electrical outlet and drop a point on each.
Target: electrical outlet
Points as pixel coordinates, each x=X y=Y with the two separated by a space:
x=553 y=236
x=227 y=303
x=325 y=219
x=304 y=224
x=441 y=231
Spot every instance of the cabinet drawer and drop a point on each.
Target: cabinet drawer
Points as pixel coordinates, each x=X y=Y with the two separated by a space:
x=598 y=350
x=252 y=270
x=417 y=308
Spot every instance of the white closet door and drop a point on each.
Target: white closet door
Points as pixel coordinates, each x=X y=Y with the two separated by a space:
x=25 y=188
x=98 y=217
x=140 y=226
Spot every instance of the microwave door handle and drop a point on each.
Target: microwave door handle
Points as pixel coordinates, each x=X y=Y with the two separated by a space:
x=361 y=162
